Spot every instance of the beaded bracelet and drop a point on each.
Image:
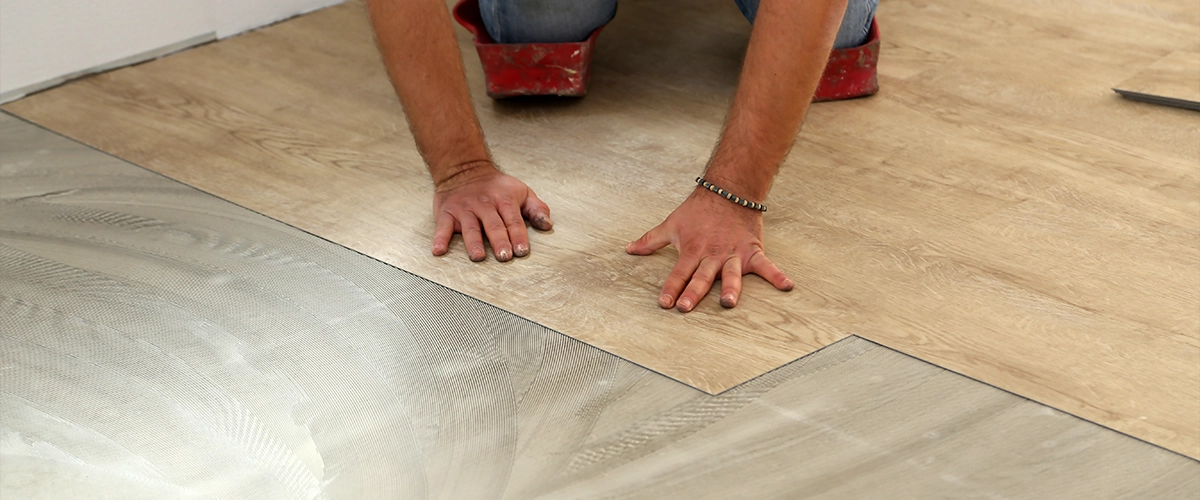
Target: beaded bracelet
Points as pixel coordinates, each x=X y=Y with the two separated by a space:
x=730 y=196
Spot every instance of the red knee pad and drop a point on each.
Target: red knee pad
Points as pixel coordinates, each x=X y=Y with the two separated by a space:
x=514 y=69
x=851 y=72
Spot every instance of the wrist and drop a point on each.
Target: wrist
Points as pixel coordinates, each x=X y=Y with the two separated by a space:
x=741 y=165
x=446 y=179
x=703 y=184
x=742 y=182
x=715 y=203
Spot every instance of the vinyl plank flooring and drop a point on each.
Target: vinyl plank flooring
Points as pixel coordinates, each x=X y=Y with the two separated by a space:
x=162 y=343
x=1173 y=80
x=994 y=210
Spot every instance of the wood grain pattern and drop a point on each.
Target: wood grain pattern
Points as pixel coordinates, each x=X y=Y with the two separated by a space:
x=995 y=210
x=162 y=343
x=1175 y=77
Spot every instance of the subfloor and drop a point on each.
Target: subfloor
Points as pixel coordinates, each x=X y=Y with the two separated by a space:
x=162 y=343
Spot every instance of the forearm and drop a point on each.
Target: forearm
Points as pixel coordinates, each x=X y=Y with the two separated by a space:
x=420 y=52
x=789 y=47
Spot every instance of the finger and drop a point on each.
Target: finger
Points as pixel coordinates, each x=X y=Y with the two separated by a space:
x=472 y=236
x=497 y=233
x=517 y=233
x=731 y=282
x=442 y=233
x=762 y=266
x=650 y=242
x=537 y=212
x=683 y=271
x=700 y=284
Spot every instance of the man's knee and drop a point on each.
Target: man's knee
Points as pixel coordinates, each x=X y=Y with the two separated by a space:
x=856 y=23
x=544 y=21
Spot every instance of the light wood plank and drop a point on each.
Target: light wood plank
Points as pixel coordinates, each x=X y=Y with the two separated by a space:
x=993 y=210
x=1174 y=79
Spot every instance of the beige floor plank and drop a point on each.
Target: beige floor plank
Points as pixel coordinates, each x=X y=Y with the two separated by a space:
x=1175 y=77
x=995 y=209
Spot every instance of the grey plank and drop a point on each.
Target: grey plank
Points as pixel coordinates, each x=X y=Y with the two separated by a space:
x=158 y=342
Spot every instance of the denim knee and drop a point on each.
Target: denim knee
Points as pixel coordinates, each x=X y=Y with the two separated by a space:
x=855 y=23
x=544 y=21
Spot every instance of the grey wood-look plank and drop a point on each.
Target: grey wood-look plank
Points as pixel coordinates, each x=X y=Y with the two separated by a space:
x=158 y=342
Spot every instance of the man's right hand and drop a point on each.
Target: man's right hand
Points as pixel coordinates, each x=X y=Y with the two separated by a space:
x=484 y=201
x=416 y=40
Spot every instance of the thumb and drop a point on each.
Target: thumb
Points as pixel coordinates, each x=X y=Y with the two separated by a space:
x=650 y=242
x=537 y=212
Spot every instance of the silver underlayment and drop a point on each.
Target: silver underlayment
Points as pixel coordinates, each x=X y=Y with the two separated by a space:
x=158 y=342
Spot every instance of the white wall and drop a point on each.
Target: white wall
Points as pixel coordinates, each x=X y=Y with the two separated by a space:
x=235 y=16
x=45 y=42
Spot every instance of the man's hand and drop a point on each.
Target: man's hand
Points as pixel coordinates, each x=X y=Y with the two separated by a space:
x=788 y=49
x=416 y=40
x=715 y=238
x=480 y=201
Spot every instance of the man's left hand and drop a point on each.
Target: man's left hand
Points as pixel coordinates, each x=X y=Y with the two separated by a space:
x=715 y=239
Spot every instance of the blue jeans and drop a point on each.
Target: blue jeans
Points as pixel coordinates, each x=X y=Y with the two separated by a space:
x=557 y=21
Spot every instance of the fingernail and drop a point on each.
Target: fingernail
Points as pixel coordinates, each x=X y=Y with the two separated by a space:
x=522 y=250
x=628 y=246
x=664 y=301
x=503 y=255
x=727 y=301
x=787 y=284
x=685 y=305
